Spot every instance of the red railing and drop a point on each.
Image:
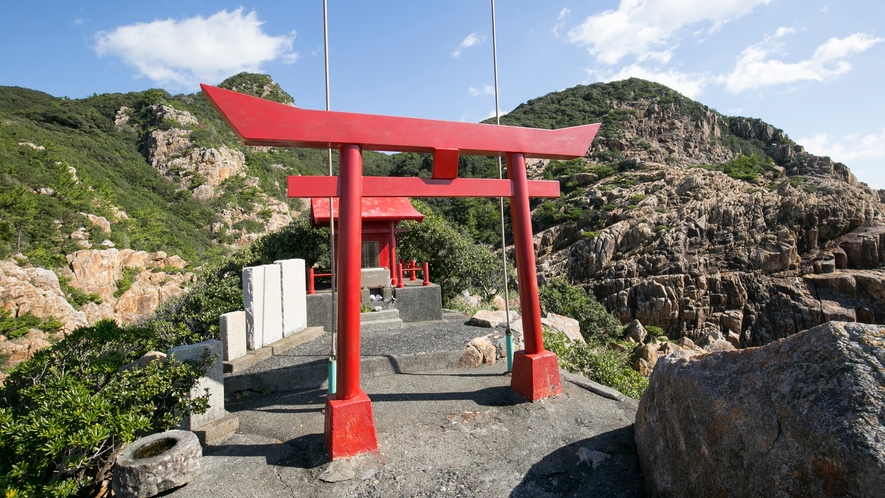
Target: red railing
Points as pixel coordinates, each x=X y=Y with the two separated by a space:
x=412 y=269
x=311 y=277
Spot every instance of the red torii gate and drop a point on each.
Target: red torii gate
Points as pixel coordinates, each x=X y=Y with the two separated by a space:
x=350 y=425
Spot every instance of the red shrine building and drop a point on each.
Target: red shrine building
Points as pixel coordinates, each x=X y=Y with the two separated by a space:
x=380 y=216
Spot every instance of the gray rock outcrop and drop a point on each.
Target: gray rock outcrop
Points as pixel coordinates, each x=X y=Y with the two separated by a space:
x=804 y=416
x=690 y=250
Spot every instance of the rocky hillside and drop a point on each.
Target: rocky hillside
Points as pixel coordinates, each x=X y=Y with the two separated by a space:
x=679 y=216
x=104 y=199
x=695 y=222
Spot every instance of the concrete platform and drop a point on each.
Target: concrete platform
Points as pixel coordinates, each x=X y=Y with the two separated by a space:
x=421 y=346
x=442 y=431
x=450 y=432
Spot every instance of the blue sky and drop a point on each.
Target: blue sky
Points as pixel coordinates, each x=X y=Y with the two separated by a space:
x=811 y=67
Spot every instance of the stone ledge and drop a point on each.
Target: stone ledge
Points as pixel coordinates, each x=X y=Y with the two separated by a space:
x=253 y=357
x=217 y=429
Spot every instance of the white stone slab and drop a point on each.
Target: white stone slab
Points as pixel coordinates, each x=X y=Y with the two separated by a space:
x=273 y=305
x=294 y=293
x=213 y=380
x=233 y=334
x=374 y=278
x=253 y=304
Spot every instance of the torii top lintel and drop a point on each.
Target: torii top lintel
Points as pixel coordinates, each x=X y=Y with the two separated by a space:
x=262 y=122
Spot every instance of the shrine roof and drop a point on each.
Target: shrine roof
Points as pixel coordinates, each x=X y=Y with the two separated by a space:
x=373 y=209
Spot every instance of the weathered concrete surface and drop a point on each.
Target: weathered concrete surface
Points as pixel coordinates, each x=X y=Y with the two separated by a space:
x=804 y=416
x=451 y=432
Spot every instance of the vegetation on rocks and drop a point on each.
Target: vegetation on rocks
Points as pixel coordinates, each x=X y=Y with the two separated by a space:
x=15 y=327
x=596 y=359
x=597 y=324
x=598 y=362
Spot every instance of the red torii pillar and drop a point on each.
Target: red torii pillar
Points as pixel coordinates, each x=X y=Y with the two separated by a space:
x=350 y=427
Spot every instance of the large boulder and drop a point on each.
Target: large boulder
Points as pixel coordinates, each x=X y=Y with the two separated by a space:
x=804 y=416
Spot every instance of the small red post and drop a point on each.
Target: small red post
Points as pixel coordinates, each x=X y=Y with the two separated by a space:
x=535 y=371
x=350 y=425
x=426 y=273
x=412 y=270
x=310 y=287
x=399 y=271
x=392 y=244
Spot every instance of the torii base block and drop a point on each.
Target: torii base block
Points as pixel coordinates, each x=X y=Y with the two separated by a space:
x=350 y=426
x=535 y=376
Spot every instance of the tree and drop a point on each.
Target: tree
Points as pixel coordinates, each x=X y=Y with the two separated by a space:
x=18 y=207
x=456 y=261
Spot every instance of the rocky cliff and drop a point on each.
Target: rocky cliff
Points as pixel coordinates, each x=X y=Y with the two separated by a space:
x=696 y=222
x=122 y=285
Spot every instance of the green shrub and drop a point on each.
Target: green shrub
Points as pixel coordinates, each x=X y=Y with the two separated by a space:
x=249 y=226
x=744 y=167
x=564 y=299
x=597 y=362
x=75 y=296
x=126 y=281
x=68 y=410
x=456 y=261
x=654 y=330
x=15 y=327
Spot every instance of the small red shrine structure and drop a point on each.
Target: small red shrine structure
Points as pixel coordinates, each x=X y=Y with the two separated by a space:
x=380 y=216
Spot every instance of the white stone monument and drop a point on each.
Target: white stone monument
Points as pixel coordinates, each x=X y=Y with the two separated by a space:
x=273 y=305
x=294 y=295
x=233 y=334
x=253 y=301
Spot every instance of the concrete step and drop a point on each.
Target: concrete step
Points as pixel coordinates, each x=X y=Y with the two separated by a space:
x=377 y=316
x=381 y=325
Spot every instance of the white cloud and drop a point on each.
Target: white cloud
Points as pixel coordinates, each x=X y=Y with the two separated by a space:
x=182 y=53
x=78 y=21
x=642 y=28
x=563 y=14
x=471 y=40
x=847 y=148
x=754 y=69
x=486 y=90
x=688 y=84
x=782 y=31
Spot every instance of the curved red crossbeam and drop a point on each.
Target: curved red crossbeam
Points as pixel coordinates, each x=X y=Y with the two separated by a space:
x=262 y=122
